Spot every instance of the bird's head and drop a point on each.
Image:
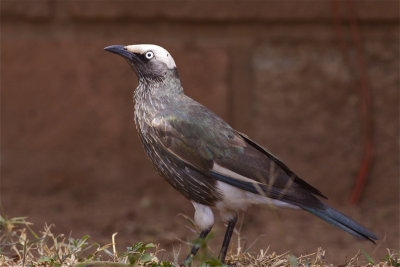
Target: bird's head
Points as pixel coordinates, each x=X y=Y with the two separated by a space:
x=150 y=62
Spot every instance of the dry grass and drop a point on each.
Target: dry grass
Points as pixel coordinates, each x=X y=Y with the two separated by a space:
x=21 y=246
x=264 y=258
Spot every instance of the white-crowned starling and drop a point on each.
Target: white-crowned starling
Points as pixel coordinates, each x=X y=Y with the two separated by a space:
x=205 y=159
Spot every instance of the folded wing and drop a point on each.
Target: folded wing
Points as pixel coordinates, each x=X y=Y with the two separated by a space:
x=206 y=143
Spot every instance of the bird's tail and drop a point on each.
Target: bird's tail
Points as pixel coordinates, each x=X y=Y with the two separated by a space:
x=341 y=221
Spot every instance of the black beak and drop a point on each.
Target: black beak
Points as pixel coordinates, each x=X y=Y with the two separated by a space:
x=119 y=50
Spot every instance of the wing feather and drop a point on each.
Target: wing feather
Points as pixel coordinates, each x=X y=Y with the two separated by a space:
x=212 y=147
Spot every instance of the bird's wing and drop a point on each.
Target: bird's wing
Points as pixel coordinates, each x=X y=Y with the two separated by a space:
x=282 y=166
x=206 y=143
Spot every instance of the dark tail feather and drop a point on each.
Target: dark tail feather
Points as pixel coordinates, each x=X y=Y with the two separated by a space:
x=341 y=221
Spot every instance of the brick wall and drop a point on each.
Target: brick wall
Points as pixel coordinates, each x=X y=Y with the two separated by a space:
x=277 y=70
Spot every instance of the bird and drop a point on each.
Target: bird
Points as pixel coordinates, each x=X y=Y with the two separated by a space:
x=205 y=159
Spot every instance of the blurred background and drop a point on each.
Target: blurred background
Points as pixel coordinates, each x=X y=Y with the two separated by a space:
x=314 y=81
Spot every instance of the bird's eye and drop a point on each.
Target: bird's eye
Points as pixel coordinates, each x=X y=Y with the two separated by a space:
x=149 y=55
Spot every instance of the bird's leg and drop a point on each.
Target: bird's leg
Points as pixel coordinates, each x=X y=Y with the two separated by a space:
x=196 y=247
x=227 y=238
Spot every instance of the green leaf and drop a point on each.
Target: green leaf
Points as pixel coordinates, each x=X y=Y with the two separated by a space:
x=146 y=258
x=214 y=262
x=370 y=260
x=44 y=259
x=150 y=245
x=132 y=258
x=293 y=261
x=137 y=247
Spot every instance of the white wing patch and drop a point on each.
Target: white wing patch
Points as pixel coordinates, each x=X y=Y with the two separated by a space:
x=235 y=199
x=224 y=171
x=160 y=53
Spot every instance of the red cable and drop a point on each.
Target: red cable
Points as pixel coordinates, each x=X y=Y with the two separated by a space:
x=365 y=113
x=363 y=91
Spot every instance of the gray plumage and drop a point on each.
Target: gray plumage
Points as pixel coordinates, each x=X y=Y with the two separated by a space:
x=205 y=159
